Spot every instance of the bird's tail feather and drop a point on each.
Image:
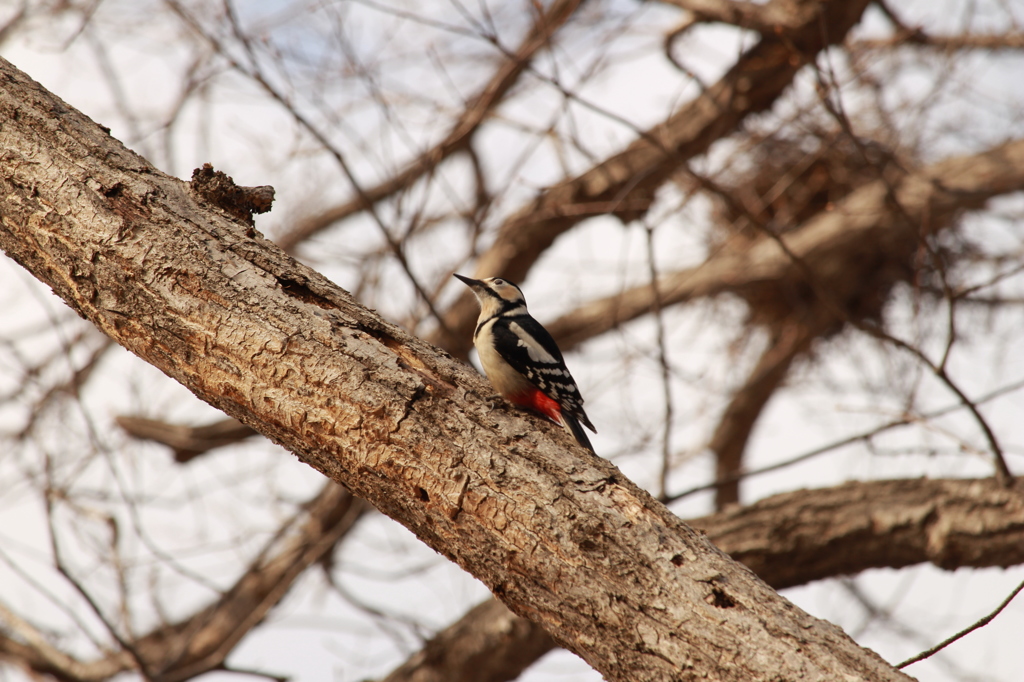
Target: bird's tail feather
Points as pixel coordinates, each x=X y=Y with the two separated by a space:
x=576 y=429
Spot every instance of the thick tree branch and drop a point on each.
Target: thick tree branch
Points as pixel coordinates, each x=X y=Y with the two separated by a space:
x=691 y=122
x=791 y=539
x=846 y=245
x=562 y=537
x=806 y=535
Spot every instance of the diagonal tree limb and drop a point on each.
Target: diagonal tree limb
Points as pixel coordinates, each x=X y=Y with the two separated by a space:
x=561 y=536
x=189 y=442
x=789 y=539
x=651 y=158
x=625 y=183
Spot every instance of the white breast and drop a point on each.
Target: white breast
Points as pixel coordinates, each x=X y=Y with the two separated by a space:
x=503 y=377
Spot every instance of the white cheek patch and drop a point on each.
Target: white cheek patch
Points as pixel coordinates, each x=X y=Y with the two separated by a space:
x=535 y=350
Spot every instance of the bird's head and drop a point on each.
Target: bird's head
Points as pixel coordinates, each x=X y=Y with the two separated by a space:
x=495 y=294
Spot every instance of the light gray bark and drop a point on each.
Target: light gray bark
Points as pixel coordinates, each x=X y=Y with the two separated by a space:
x=560 y=536
x=788 y=539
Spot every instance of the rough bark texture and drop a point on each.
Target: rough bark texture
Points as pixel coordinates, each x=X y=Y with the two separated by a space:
x=789 y=539
x=560 y=536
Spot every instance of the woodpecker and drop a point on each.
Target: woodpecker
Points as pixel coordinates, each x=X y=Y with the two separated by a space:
x=522 y=360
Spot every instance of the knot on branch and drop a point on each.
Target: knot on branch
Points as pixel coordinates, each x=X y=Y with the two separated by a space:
x=219 y=189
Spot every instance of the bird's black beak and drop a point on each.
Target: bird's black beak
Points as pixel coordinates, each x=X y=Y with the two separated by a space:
x=471 y=283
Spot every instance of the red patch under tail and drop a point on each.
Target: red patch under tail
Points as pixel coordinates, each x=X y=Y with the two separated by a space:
x=540 y=403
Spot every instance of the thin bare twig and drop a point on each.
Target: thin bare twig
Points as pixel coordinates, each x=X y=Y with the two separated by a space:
x=49 y=496
x=966 y=631
x=461 y=134
x=835 y=108
x=849 y=440
x=666 y=370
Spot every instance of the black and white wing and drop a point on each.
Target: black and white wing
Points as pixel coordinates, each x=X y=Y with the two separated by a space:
x=528 y=347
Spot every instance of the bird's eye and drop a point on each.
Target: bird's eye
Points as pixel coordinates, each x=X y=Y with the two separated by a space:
x=499 y=282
